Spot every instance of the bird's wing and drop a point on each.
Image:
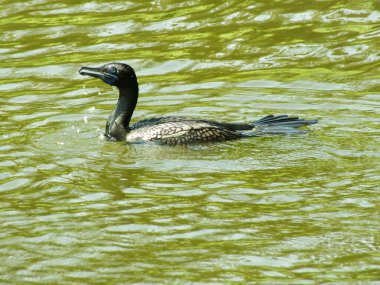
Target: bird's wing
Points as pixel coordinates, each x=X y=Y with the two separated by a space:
x=181 y=132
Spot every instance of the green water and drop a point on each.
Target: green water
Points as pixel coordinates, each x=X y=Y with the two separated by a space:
x=301 y=209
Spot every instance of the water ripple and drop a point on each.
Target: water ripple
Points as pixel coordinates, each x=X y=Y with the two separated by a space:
x=294 y=208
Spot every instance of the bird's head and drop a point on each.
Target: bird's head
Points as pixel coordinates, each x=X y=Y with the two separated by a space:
x=116 y=74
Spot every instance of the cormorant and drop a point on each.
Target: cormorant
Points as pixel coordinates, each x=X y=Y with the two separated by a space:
x=175 y=130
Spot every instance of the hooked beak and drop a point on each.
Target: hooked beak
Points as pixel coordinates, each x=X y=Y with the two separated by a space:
x=98 y=73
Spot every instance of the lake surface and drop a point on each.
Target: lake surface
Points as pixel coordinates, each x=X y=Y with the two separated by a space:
x=296 y=209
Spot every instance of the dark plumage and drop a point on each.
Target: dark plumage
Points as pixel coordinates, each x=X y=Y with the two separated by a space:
x=174 y=130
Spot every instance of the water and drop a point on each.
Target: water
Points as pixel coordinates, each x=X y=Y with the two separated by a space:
x=292 y=209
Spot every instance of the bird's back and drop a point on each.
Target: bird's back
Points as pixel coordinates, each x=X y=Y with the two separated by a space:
x=179 y=130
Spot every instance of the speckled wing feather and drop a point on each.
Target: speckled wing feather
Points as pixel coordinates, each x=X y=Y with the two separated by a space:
x=169 y=119
x=179 y=132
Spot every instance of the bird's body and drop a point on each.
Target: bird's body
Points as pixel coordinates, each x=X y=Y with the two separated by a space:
x=174 y=130
x=178 y=130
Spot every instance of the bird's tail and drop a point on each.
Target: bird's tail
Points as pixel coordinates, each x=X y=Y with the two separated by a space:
x=282 y=124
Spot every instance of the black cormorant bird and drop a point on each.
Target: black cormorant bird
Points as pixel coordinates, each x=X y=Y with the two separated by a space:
x=175 y=130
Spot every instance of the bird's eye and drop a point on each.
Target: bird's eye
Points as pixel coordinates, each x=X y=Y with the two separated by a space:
x=112 y=70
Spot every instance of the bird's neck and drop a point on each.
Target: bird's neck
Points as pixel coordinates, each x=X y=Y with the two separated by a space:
x=118 y=122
